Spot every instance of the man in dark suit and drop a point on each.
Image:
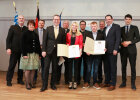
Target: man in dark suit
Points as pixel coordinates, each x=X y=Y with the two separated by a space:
x=130 y=36
x=100 y=76
x=40 y=31
x=54 y=35
x=14 y=50
x=83 y=56
x=66 y=28
x=93 y=60
x=112 y=37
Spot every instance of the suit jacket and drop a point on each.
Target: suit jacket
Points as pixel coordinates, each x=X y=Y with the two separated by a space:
x=13 y=40
x=100 y=36
x=84 y=34
x=49 y=41
x=133 y=36
x=67 y=31
x=44 y=32
x=78 y=40
x=113 y=38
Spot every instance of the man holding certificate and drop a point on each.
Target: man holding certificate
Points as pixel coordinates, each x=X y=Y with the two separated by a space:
x=92 y=60
x=74 y=37
x=54 y=35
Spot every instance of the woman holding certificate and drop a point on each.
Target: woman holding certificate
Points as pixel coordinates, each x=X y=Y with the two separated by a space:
x=74 y=37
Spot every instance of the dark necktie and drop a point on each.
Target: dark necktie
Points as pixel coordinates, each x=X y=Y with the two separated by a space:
x=126 y=30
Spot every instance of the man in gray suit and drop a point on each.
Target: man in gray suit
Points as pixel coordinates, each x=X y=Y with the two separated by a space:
x=40 y=31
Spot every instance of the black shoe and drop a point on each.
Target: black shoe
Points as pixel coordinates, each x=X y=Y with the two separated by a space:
x=133 y=87
x=43 y=89
x=28 y=88
x=33 y=86
x=122 y=85
x=53 y=87
x=20 y=82
x=9 y=84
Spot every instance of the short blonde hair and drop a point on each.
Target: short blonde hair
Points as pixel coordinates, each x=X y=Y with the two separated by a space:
x=77 y=31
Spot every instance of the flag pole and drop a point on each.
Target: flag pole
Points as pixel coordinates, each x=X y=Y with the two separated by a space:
x=14 y=4
x=61 y=11
x=60 y=17
x=37 y=4
x=16 y=14
x=37 y=15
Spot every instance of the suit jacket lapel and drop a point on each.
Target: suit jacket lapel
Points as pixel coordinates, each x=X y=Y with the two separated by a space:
x=59 y=32
x=97 y=36
x=53 y=32
x=109 y=30
x=105 y=33
x=130 y=30
x=92 y=36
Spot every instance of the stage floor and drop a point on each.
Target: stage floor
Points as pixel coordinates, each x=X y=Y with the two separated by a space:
x=19 y=92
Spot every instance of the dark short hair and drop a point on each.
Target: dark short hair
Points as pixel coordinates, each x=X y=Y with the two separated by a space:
x=31 y=22
x=56 y=15
x=42 y=20
x=83 y=21
x=128 y=16
x=109 y=16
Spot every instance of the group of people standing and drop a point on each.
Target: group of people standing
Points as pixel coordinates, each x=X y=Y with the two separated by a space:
x=29 y=46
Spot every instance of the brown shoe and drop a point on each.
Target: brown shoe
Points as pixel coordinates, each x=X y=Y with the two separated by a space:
x=86 y=85
x=96 y=86
x=105 y=85
x=111 y=88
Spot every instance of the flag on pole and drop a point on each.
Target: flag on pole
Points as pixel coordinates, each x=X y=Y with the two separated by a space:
x=60 y=18
x=16 y=14
x=16 y=18
x=37 y=16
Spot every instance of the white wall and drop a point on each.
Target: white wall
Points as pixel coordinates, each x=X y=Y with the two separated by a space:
x=74 y=10
x=71 y=7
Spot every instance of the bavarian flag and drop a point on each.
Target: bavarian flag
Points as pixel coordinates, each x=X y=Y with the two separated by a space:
x=16 y=18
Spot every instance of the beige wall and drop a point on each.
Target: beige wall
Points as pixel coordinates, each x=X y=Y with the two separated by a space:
x=73 y=10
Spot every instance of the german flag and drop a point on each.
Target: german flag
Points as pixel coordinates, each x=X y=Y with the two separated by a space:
x=37 y=18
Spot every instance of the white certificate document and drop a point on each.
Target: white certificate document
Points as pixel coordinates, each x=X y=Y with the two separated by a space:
x=74 y=51
x=99 y=47
x=94 y=47
x=71 y=51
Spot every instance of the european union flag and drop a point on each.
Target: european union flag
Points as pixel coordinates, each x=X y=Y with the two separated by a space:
x=60 y=20
x=16 y=18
